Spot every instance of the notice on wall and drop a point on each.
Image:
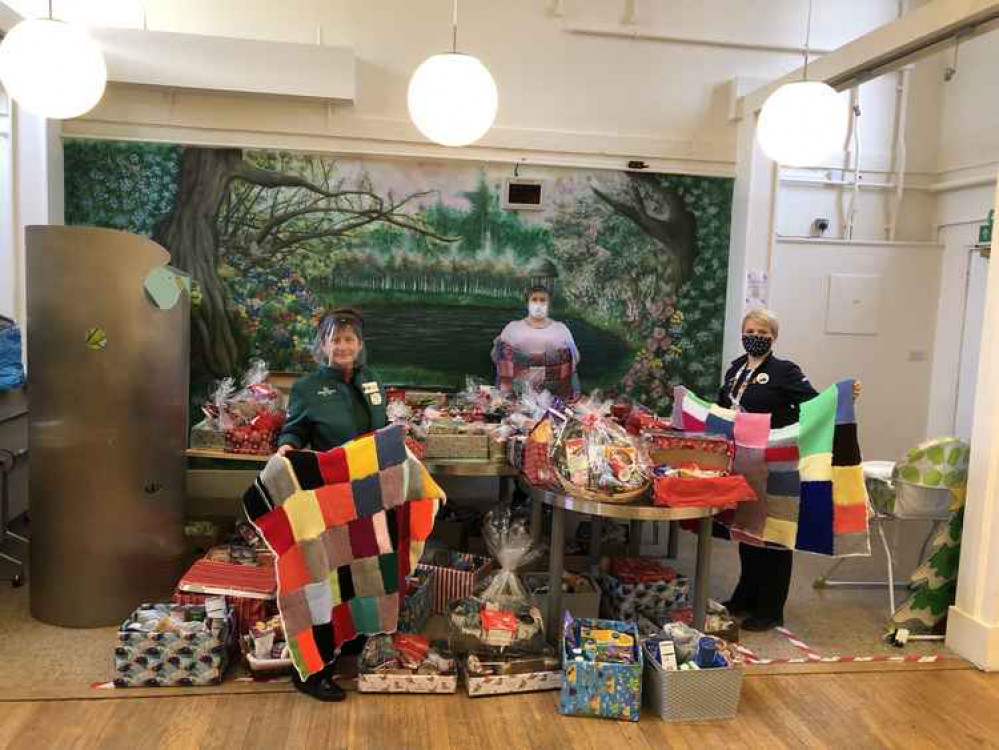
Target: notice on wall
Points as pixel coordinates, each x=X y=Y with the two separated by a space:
x=757 y=289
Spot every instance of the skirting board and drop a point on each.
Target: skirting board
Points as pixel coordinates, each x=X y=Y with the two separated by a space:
x=976 y=641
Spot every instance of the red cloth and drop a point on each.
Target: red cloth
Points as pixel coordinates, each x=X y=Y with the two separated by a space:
x=691 y=492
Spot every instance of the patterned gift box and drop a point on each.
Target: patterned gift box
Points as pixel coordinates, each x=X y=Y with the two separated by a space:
x=628 y=601
x=604 y=689
x=513 y=683
x=416 y=606
x=416 y=683
x=171 y=659
x=451 y=584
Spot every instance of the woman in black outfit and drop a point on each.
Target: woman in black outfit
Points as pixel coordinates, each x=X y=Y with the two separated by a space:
x=760 y=383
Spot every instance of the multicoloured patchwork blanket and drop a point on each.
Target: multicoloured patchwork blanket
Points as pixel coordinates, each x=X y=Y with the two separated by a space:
x=346 y=526
x=554 y=371
x=807 y=475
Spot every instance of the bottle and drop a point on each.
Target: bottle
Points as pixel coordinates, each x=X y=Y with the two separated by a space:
x=707 y=649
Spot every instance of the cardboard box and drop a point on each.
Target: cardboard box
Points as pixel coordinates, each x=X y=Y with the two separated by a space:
x=416 y=683
x=144 y=659
x=583 y=604
x=604 y=689
x=514 y=683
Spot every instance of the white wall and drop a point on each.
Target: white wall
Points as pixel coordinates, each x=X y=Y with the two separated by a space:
x=896 y=389
x=560 y=92
x=967 y=162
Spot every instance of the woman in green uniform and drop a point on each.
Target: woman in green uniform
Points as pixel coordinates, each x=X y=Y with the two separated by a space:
x=329 y=407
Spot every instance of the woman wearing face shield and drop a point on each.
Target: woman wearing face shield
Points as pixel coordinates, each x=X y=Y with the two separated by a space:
x=329 y=407
x=760 y=383
x=537 y=350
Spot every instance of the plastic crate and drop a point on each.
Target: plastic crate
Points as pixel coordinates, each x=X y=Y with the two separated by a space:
x=694 y=695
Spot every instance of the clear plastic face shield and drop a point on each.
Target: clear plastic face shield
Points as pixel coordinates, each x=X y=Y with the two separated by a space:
x=339 y=341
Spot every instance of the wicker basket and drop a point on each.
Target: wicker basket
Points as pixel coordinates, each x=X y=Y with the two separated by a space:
x=697 y=695
x=618 y=498
x=457 y=446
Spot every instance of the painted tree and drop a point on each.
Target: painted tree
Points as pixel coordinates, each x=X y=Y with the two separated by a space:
x=659 y=211
x=265 y=215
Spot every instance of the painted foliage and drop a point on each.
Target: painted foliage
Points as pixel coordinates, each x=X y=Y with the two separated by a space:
x=638 y=262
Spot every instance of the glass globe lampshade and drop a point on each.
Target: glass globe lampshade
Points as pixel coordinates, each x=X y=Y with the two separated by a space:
x=452 y=99
x=53 y=69
x=802 y=123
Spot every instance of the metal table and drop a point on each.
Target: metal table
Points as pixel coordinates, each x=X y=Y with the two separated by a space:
x=438 y=467
x=634 y=512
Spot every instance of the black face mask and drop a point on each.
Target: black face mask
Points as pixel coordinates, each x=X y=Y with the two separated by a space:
x=757 y=346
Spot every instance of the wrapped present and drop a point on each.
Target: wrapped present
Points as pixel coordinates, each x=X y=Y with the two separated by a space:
x=653 y=596
x=252 y=418
x=484 y=676
x=603 y=665
x=701 y=451
x=418 y=602
x=169 y=645
x=536 y=463
x=406 y=663
x=455 y=575
x=250 y=590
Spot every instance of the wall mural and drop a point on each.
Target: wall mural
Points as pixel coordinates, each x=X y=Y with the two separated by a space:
x=638 y=261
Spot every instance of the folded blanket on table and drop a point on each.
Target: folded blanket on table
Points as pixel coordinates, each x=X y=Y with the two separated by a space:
x=807 y=475
x=346 y=526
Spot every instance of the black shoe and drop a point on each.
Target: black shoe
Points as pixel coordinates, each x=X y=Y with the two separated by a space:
x=320 y=687
x=736 y=609
x=756 y=624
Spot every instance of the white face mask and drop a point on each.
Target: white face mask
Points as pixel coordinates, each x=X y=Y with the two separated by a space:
x=537 y=310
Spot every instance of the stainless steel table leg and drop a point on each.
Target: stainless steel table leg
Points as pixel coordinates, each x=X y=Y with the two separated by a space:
x=673 y=541
x=537 y=519
x=702 y=573
x=596 y=537
x=635 y=539
x=555 y=563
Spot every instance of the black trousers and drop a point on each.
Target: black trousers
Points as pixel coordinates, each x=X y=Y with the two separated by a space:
x=350 y=648
x=764 y=581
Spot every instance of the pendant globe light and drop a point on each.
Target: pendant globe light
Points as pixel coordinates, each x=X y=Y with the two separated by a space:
x=51 y=68
x=804 y=122
x=452 y=96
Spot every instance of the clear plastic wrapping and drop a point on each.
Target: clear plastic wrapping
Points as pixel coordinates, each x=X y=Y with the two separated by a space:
x=592 y=451
x=499 y=618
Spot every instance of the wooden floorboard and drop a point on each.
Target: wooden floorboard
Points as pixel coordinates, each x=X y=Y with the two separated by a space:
x=910 y=710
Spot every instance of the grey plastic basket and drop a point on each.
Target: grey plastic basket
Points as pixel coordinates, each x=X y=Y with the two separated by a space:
x=695 y=695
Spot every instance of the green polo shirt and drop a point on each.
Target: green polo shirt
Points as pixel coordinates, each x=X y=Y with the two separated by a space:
x=324 y=411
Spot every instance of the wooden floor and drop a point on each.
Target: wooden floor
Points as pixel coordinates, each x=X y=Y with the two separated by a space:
x=945 y=709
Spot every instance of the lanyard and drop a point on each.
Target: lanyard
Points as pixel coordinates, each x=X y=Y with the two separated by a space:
x=742 y=380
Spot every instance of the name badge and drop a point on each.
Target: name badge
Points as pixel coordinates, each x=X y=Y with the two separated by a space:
x=375 y=398
x=762 y=378
x=369 y=388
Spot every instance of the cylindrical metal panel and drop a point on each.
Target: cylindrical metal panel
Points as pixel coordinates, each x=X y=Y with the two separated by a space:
x=107 y=426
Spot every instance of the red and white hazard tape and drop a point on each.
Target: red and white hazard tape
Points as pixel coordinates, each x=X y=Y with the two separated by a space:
x=800 y=644
x=812 y=657
x=847 y=659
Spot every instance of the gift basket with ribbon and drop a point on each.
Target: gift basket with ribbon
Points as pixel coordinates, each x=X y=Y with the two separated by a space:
x=595 y=458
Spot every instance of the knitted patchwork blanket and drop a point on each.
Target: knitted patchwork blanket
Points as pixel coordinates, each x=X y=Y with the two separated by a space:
x=807 y=475
x=346 y=527
x=553 y=371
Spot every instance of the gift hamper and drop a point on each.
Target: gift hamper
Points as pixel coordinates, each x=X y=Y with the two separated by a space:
x=594 y=458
